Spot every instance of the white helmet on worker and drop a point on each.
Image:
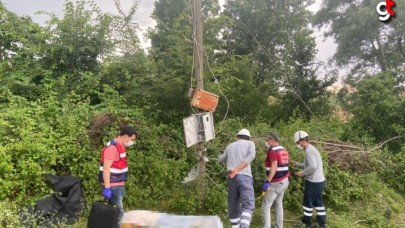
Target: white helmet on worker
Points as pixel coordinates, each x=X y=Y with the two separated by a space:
x=300 y=135
x=245 y=132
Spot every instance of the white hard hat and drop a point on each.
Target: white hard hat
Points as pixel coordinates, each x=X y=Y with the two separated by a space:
x=299 y=135
x=244 y=131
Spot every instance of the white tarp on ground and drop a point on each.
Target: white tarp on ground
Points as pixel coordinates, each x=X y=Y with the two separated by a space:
x=142 y=218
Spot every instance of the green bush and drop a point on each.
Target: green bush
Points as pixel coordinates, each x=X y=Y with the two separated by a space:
x=51 y=136
x=9 y=217
x=391 y=169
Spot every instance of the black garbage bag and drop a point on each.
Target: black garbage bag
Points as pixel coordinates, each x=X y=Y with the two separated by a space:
x=64 y=206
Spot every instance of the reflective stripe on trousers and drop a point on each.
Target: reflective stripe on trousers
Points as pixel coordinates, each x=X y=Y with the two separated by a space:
x=313 y=200
x=241 y=200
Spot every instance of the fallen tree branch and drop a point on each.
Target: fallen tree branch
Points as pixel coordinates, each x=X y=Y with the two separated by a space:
x=340 y=145
x=347 y=151
x=382 y=144
x=364 y=220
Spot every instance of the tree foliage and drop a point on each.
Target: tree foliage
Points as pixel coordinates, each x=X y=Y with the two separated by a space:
x=377 y=110
x=78 y=40
x=21 y=47
x=365 y=44
x=279 y=40
x=172 y=52
x=66 y=88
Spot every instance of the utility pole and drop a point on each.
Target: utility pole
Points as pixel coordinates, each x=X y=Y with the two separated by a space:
x=198 y=45
x=198 y=66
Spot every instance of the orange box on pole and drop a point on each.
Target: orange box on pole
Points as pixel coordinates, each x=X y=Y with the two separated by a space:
x=204 y=100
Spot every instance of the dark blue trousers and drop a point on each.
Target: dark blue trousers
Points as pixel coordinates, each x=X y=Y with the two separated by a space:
x=313 y=200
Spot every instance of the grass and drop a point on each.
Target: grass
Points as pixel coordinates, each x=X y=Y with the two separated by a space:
x=386 y=210
x=382 y=207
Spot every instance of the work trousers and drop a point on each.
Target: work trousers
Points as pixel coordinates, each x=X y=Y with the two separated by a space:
x=274 y=194
x=241 y=200
x=313 y=200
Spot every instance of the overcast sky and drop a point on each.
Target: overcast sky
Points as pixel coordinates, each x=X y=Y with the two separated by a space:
x=142 y=17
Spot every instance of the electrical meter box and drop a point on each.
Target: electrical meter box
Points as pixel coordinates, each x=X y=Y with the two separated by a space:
x=204 y=100
x=199 y=128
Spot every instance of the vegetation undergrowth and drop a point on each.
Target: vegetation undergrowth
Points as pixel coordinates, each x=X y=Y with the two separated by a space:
x=66 y=88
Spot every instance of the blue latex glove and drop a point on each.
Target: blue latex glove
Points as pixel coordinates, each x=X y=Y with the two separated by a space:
x=266 y=186
x=107 y=193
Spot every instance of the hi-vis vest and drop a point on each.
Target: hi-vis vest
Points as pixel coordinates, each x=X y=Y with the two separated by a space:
x=282 y=163
x=119 y=169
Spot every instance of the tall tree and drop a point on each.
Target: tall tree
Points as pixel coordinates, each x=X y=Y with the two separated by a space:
x=365 y=44
x=235 y=75
x=78 y=40
x=131 y=75
x=21 y=42
x=124 y=29
x=377 y=107
x=128 y=70
x=277 y=35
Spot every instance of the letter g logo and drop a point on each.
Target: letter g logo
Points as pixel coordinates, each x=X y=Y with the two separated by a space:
x=387 y=12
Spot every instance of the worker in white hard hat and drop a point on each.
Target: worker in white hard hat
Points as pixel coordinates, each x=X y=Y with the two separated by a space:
x=314 y=180
x=241 y=200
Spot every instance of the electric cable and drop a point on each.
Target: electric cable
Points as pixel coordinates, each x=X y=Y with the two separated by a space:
x=219 y=87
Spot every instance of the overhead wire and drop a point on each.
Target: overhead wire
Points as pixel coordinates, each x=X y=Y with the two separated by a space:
x=220 y=90
x=209 y=67
x=218 y=173
x=192 y=65
x=218 y=85
x=194 y=38
x=222 y=189
x=217 y=82
x=222 y=93
x=213 y=75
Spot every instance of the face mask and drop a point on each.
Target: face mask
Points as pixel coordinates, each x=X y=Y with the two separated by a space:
x=267 y=145
x=299 y=146
x=129 y=143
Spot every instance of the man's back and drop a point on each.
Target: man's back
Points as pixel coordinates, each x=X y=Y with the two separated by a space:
x=236 y=152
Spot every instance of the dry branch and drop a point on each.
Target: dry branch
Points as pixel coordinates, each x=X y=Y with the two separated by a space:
x=383 y=143
x=347 y=156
